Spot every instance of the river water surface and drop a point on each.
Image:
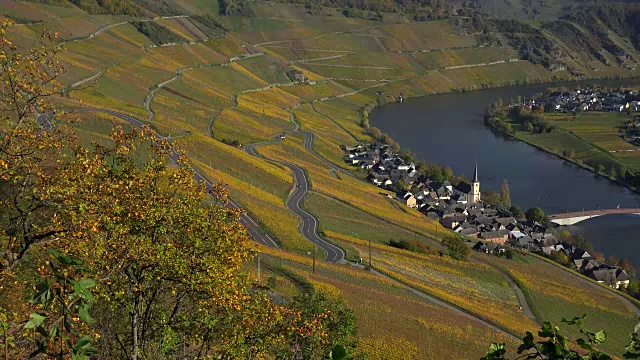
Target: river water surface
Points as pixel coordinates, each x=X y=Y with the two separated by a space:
x=449 y=129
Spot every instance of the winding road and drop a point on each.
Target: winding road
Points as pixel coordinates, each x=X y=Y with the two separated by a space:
x=336 y=254
x=309 y=227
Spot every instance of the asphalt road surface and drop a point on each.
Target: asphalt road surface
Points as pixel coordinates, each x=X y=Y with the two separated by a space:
x=309 y=223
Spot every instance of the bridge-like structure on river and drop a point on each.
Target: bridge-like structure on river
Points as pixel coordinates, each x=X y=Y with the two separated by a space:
x=571 y=218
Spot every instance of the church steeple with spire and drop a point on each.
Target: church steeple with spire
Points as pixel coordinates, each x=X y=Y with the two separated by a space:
x=476 y=185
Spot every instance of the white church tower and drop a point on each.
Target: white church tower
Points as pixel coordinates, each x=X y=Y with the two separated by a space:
x=476 y=186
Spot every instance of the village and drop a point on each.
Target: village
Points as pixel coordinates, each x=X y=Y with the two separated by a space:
x=459 y=207
x=586 y=100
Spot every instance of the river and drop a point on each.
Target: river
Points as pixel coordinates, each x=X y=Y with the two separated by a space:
x=449 y=129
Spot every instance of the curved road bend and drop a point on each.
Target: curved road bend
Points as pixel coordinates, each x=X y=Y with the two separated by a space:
x=309 y=223
x=255 y=231
x=519 y=293
x=299 y=174
x=308 y=144
x=298 y=195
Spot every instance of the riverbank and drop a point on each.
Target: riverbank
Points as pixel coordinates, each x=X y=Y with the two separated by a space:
x=516 y=135
x=367 y=109
x=449 y=129
x=464 y=141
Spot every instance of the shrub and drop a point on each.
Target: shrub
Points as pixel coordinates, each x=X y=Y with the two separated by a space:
x=559 y=257
x=375 y=132
x=569 y=154
x=516 y=211
x=414 y=246
x=551 y=344
x=535 y=214
x=458 y=249
x=338 y=325
x=231 y=7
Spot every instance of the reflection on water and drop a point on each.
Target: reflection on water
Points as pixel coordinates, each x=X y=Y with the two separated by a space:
x=449 y=129
x=615 y=235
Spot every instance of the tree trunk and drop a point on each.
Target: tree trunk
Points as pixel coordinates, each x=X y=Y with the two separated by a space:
x=6 y=345
x=134 y=326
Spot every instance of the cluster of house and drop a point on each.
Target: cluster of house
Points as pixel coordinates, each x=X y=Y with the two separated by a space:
x=494 y=228
x=459 y=208
x=588 y=100
x=532 y=236
x=385 y=167
x=585 y=263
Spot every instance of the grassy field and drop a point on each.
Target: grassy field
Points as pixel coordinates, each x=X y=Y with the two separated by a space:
x=175 y=57
x=592 y=136
x=237 y=164
x=174 y=113
x=418 y=36
x=475 y=287
x=183 y=28
x=247 y=127
x=267 y=68
x=557 y=294
x=92 y=127
x=509 y=73
x=340 y=218
x=271 y=102
x=307 y=93
x=392 y=322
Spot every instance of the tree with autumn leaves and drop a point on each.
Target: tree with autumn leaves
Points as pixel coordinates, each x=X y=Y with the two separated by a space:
x=28 y=158
x=165 y=260
x=109 y=250
x=27 y=154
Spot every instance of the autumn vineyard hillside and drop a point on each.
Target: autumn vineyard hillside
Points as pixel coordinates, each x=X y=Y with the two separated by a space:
x=111 y=249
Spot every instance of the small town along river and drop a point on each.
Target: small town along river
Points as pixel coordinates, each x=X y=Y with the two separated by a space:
x=449 y=129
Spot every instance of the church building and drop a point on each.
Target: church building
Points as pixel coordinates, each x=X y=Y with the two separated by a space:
x=469 y=193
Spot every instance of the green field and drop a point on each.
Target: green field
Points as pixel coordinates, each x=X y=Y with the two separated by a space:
x=556 y=295
x=413 y=328
x=593 y=136
x=338 y=217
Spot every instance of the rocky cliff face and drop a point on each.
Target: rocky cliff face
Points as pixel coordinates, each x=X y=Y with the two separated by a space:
x=597 y=38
